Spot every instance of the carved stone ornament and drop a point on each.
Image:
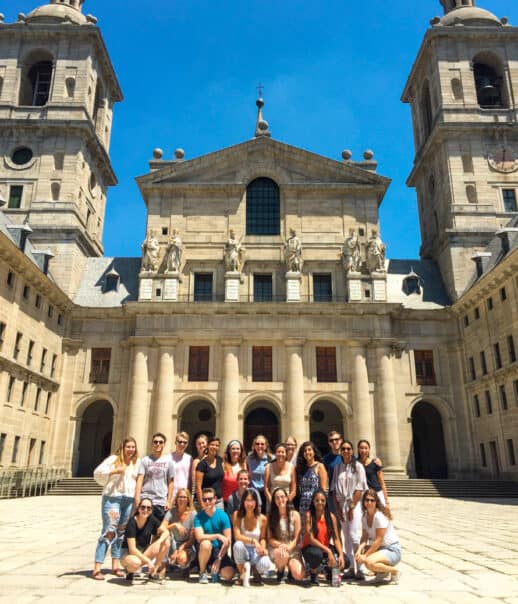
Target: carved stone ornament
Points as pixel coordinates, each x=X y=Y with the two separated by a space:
x=503 y=160
x=293 y=253
x=150 y=250
x=375 y=253
x=233 y=255
x=351 y=256
x=173 y=259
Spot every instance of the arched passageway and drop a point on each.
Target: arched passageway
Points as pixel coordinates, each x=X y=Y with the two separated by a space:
x=198 y=417
x=428 y=442
x=324 y=416
x=261 y=420
x=95 y=437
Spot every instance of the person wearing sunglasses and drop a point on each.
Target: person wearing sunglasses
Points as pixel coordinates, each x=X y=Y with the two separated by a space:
x=331 y=460
x=213 y=534
x=182 y=463
x=144 y=544
x=379 y=549
x=349 y=483
x=155 y=478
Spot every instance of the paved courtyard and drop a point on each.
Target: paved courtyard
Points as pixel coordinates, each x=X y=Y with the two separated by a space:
x=453 y=551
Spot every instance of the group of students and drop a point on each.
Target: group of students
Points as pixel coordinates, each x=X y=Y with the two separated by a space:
x=261 y=514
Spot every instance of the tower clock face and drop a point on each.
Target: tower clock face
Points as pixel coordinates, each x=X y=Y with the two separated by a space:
x=503 y=160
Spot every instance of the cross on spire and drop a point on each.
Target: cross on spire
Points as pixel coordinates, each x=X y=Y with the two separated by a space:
x=260 y=89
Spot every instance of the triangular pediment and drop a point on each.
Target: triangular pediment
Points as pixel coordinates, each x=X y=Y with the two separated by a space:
x=287 y=164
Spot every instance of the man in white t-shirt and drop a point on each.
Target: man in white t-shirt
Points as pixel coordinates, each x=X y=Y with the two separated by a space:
x=182 y=463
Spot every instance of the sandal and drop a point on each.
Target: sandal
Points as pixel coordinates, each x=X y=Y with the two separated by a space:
x=118 y=572
x=97 y=575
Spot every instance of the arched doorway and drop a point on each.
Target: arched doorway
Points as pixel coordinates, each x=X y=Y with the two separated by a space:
x=198 y=417
x=428 y=442
x=324 y=417
x=261 y=420
x=95 y=437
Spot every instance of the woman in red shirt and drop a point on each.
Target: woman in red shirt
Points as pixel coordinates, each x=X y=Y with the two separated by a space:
x=234 y=460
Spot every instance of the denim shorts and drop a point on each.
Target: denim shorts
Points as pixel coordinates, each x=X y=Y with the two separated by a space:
x=392 y=553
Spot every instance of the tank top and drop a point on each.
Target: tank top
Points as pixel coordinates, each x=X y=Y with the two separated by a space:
x=253 y=534
x=287 y=529
x=280 y=480
x=322 y=535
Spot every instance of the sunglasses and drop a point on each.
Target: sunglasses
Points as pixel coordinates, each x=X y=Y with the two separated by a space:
x=346 y=449
x=207 y=499
x=369 y=500
x=145 y=507
x=334 y=440
x=181 y=442
x=158 y=442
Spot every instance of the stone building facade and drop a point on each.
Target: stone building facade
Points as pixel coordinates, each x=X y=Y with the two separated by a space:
x=263 y=301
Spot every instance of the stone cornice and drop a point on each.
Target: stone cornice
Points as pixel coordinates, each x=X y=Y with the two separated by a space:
x=27 y=374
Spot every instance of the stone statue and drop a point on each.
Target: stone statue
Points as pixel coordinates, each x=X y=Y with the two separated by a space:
x=174 y=253
x=351 y=257
x=150 y=249
x=375 y=253
x=293 y=252
x=233 y=255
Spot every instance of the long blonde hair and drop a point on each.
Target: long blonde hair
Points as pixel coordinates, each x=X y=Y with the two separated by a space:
x=120 y=452
x=190 y=504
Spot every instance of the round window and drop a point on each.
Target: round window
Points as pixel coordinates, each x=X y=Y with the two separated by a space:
x=204 y=415
x=21 y=156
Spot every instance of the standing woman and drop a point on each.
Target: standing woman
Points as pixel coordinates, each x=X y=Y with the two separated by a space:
x=234 y=460
x=280 y=473
x=257 y=459
x=209 y=472
x=142 y=544
x=291 y=449
x=379 y=549
x=349 y=483
x=201 y=450
x=118 y=475
x=373 y=471
x=250 y=538
x=311 y=475
x=322 y=541
x=283 y=537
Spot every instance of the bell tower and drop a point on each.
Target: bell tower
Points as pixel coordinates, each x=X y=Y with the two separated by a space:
x=463 y=89
x=57 y=92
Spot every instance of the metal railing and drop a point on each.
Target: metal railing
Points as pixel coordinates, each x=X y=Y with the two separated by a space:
x=249 y=299
x=29 y=481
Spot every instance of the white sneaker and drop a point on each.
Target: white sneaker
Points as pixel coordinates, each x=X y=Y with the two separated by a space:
x=395 y=577
x=204 y=578
x=245 y=577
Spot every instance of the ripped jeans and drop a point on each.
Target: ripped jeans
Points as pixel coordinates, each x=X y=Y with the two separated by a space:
x=115 y=513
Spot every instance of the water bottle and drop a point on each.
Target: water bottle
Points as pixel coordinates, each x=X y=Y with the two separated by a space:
x=335 y=576
x=214 y=577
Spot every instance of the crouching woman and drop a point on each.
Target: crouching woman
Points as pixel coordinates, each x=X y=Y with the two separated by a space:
x=379 y=549
x=144 y=544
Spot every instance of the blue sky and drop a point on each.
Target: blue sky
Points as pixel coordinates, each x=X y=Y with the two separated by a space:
x=333 y=72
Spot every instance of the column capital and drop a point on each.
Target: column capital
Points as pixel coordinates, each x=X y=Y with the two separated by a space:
x=72 y=346
x=294 y=342
x=137 y=341
x=166 y=342
x=231 y=341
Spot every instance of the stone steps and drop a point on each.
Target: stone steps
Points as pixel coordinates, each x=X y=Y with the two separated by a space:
x=76 y=486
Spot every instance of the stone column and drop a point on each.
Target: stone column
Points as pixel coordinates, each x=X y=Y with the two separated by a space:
x=229 y=410
x=361 y=403
x=388 y=447
x=162 y=413
x=295 y=416
x=138 y=407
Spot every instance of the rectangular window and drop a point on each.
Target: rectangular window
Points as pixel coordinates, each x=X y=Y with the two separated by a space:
x=483 y=364
x=489 y=303
x=50 y=311
x=15 y=196
x=37 y=301
x=43 y=360
x=47 y=404
x=326 y=364
x=503 y=396
x=32 y=446
x=25 y=292
x=322 y=288
x=489 y=404
x=498 y=356
x=203 y=287
x=476 y=406
x=60 y=319
x=16 y=444
x=472 y=370
x=37 y=399
x=41 y=457
x=515 y=389
x=477 y=313
x=3 y=438
x=466 y=320
x=198 y=363
x=511 y=349
x=2 y=331
x=54 y=362
x=10 y=279
x=483 y=459
x=263 y=288
x=23 y=396
x=509 y=196
x=10 y=388
x=100 y=365
x=30 y=350
x=503 y=294
x=510 y=452
x=424 y=370
x=17 y=345
x=262 y=363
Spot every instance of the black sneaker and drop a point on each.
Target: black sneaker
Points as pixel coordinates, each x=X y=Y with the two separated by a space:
x=313 y=579
x=130 y=577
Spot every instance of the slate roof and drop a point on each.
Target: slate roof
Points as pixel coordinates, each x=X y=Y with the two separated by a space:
x=91 y=289
x=433 y=293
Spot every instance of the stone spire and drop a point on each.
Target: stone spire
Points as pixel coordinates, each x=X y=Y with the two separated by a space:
x=261 y=125
x=449 y=5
